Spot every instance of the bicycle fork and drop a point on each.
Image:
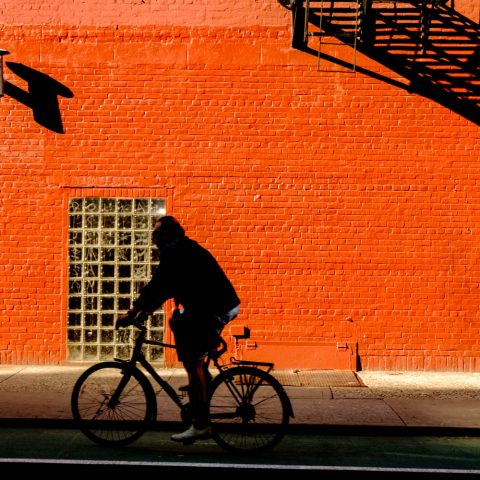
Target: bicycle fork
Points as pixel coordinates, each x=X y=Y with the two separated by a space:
x=115 y=398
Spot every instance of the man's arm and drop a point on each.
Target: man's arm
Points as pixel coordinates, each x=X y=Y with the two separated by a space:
x=151 y=297
x=154 y=294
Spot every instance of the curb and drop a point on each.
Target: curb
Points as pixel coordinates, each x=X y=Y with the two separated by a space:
x=315 y=429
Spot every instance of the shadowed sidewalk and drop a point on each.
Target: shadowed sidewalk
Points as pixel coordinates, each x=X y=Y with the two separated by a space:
x=443 y=400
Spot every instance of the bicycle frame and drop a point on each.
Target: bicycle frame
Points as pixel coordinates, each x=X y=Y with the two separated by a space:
x=138 y=357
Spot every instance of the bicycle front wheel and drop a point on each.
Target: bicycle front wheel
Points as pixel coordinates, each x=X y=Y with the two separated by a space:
x=248 y=410
x=113 y=404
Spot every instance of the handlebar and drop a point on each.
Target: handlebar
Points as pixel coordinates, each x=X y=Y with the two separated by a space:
x=136 y=321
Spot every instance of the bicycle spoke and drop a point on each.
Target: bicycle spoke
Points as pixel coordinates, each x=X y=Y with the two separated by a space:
x=117 y=422
x=247 y=410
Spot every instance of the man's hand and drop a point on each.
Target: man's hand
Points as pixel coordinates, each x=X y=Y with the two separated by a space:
x=130 y=318
x=125 y=320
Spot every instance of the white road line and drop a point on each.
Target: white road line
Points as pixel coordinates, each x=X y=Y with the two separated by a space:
x=257 y=466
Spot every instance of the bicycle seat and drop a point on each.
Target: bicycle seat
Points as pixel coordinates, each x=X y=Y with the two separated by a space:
x=220 y=349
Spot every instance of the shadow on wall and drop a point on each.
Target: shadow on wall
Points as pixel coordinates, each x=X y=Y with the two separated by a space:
x=427 y=42
x=41 y=97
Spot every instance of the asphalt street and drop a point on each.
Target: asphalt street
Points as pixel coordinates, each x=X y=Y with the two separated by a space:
x=386 y=425
x=314 y=452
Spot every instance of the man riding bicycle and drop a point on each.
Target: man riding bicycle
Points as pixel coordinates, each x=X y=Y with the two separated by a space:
x=206 y=301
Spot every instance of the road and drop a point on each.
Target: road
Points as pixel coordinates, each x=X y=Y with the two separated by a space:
x=309 y=455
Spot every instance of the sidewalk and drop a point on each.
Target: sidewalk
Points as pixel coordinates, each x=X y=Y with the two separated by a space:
x=431 y=400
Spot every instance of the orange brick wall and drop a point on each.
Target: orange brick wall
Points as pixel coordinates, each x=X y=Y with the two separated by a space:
x=343 y=205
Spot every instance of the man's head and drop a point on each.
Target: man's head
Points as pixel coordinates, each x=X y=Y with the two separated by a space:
x=167 y=231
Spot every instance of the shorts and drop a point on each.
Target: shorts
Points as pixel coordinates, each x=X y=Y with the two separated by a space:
x=197 y=333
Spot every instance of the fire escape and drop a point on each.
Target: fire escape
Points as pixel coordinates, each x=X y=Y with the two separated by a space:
x=354 y=22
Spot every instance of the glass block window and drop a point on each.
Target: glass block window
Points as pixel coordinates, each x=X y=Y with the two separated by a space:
x=111 y=257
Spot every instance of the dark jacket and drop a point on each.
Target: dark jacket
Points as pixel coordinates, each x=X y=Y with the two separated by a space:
x=190 y=275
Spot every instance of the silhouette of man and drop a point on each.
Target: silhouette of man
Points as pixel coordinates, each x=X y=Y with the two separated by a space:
x=206 y=301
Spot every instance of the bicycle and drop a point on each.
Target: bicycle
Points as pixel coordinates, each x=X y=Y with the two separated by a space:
x=114 y=403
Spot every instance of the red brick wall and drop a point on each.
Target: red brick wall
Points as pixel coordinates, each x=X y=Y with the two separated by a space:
x=343 y=205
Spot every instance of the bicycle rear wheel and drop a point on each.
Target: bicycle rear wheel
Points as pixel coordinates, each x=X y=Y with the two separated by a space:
x=112 y=404
x=249 y=410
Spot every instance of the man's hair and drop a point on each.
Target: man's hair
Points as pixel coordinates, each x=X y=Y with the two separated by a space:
x=171 y=227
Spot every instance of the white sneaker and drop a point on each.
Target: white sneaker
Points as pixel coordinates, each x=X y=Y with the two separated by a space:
x=192 y=434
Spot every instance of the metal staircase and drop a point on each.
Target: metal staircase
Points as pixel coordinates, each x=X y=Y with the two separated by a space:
x=352 y=22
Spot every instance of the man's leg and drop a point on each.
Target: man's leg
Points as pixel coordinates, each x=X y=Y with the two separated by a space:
x=197 y=392
x=206 y=374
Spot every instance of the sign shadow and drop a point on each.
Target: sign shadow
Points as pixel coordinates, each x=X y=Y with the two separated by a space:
x=41 y=97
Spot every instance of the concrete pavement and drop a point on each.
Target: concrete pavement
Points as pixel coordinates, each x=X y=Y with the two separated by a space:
x=434 y=400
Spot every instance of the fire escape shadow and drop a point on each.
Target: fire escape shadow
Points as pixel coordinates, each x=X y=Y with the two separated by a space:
x=436 y=50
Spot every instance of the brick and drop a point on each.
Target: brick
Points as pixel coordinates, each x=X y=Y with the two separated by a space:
x=325 y=195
